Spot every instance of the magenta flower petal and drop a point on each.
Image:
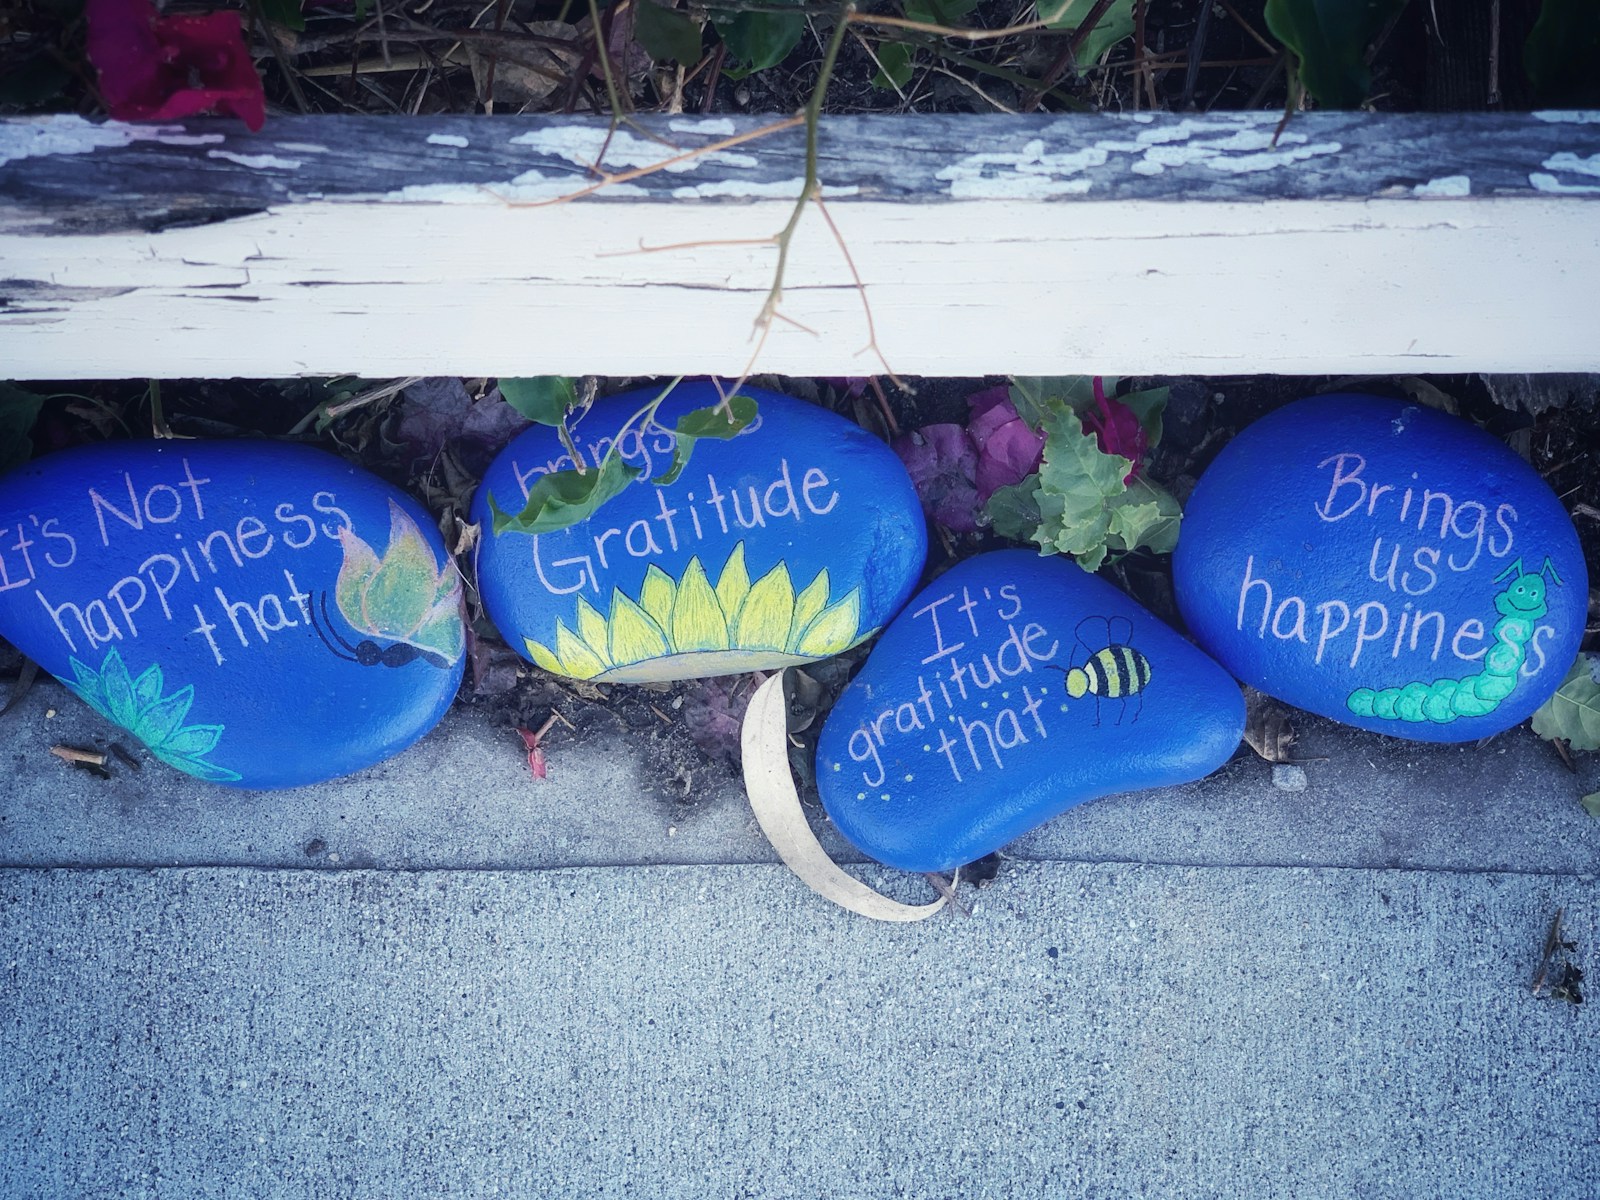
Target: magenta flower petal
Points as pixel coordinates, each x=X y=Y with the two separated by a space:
x=155 y=68
x=941 y=462
x=1009 y=449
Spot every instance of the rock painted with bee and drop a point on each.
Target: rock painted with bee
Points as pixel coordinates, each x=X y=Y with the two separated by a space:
x=1011 y=689
x=259 y=614
x=1385 y=565
x=788 y=543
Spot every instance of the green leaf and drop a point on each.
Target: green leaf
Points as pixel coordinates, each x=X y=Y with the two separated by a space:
x=1075 y=483
x=1145 y=515
x=1148 y=407
x=1114 y=24
x=1592 y=803
x=19 y=409
x=564 y=498
x=545 y=398
x=712 y=422
x=1329 y=39
x=1013 y=510
x=284 y=12
x=759 y=40
x=1573 y=713
x=1561 y=52
x=1034 y=395
x=894 y=66
x=666 y=34
x=939 y=12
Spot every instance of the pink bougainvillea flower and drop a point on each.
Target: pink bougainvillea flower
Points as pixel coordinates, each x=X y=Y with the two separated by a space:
x=1008 y=448
x=1117 y=430
x=156 y=68
x=942 y=462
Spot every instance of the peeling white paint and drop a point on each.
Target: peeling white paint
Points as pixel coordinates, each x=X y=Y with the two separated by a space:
x=66 y=134
x=711 y=127
x=1034 y=173
x=582 y=145
x=1557 y=116
x=788 y=189
x=1448 y=185
x=303 y=147
x=1549 y=184
x=448 y=139
x=1567 y=161
x=256 y=162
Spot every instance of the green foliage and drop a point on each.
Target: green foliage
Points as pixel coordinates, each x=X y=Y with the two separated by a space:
x=564 y=498
x=546 y=399
x=714 y=422
x=758 y=40
x=1591 y=804
x=1078 y=503
x=1329 y=39
x=666 y=34
x=894 y=65
x=284 y=12
x=1114 y=24
x=19 y=409
x=1573 y=713
x=1561 y=52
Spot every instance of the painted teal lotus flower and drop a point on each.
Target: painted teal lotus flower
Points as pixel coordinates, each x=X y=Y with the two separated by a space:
x=156 y=720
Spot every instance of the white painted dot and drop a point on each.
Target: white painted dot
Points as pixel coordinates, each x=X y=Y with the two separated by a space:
x=983 y=704
x=861 y=795
x=908 y=778
x=925 y=746
x=1063 y=708
x=836 y=766
x=885 y=795
x=1005 y=695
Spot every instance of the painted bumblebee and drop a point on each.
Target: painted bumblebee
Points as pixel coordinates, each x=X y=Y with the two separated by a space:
x=1114 y=670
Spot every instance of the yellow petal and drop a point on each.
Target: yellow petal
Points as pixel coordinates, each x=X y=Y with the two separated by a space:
x=399 y=594
x=766 y=614
x=576 y=659
x=697 y=621
x=657 y=595
x=733 y=585
x=634 y=636
x=592 y=629
x=355 y=576
x=811 y=602
x=541 y=655
x=834 y=630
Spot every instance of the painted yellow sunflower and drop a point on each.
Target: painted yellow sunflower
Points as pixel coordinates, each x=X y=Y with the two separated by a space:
x=686 y=628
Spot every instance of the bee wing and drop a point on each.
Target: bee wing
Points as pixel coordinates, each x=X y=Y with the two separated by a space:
x=1099 y=643
x=1119 y=631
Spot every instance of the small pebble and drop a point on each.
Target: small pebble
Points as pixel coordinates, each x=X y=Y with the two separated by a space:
x=1288 y=777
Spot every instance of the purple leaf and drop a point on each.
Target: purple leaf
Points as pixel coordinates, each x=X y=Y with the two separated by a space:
x=942 y=464
x=1116 y=427
x=1008 y=449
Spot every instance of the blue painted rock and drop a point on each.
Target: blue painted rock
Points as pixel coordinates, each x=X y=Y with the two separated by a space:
x=786 y=544
x=258 y=614
x=1384 y=565
x=1008 y=691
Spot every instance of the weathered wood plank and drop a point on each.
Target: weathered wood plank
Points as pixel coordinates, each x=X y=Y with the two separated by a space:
x=1127 y=245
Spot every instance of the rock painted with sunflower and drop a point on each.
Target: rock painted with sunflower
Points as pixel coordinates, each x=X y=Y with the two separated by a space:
x=258 y=614
x=789 y=543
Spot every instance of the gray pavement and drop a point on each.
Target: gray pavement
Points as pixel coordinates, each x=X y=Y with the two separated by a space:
x=506 y=988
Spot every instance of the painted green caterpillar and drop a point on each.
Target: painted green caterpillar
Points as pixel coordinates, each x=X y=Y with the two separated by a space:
x=1520 y=606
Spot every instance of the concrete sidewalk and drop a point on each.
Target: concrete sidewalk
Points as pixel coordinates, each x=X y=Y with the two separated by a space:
x=1222 y=990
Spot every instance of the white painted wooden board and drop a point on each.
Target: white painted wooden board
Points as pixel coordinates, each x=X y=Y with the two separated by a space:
x=987 y=245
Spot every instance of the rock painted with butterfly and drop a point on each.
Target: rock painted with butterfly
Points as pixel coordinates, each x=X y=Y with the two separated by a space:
x=258 y=614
